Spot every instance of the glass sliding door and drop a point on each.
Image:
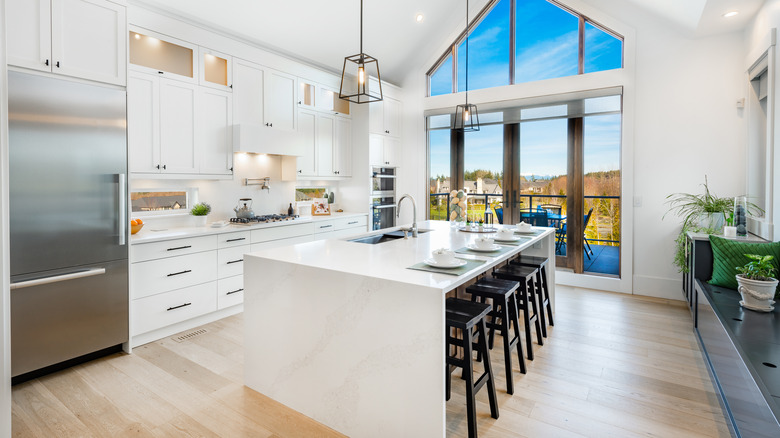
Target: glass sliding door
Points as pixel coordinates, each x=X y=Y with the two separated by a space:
x=440 y=183
x=483 y=175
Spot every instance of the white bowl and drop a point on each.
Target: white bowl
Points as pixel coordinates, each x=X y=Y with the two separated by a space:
x=443 y=256
x=505 y=233
x=484 y=243
x=522 y=226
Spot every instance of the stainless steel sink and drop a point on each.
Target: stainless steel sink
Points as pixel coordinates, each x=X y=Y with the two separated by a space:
x=387 y=237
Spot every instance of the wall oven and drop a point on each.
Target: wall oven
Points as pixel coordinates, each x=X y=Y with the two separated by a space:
x=382 y=197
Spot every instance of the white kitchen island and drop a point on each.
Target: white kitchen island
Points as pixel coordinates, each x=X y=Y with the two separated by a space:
x=344 y=333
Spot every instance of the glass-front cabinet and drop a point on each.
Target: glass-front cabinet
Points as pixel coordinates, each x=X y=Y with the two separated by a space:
x=217 y=69
x=317 y=96
x=151 y=53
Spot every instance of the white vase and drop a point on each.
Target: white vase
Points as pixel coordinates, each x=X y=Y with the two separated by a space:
x=757 y=294
x=200 y=221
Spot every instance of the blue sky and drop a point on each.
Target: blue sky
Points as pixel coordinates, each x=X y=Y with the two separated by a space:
x=546 y=47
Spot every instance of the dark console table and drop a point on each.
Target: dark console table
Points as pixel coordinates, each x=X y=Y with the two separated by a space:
x=742 y=351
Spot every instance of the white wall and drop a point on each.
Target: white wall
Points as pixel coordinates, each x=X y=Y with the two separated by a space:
x=5 y=295
x=681 y=124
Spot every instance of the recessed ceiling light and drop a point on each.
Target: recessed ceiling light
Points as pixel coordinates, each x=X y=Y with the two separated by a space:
x=138 y=37
x=419 y=18
x=730 y=14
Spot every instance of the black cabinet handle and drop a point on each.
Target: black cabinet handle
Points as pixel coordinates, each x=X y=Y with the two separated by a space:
x=236 y=240
x=325 y=226
x=47 y=62
x=231 y=86
x=235 y=261
x=352 y=223
x=165 y=166
x=179 y=247
x=58 y=64
x=299 y=102
x=234 y=291
x=158 y=167
x=300 y=171
x=179 y=273
x=178 y=307
x=267 y=124
x=160 y=72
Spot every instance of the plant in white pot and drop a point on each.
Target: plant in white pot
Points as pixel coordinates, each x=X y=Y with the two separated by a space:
x=757 y=284
x=200 y=211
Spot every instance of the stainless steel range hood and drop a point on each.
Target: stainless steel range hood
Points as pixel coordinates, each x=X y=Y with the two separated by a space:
x=258 y=139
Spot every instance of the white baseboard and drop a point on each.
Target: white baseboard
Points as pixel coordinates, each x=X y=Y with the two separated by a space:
x=659 y=287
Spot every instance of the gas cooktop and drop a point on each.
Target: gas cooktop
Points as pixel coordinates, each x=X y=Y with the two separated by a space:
x=264 y=219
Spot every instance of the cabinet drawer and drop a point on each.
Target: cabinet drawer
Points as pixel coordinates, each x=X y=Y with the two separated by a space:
x=230 y=291
x=282 y=242
x=171 y=248
x=351 y=222
x=230 y=261
x=155 y=276
x=162 y=310
x=325 y=226
x=230 y=240
x=282 y=232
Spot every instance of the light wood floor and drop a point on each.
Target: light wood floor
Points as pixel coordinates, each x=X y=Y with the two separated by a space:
x=613 y=366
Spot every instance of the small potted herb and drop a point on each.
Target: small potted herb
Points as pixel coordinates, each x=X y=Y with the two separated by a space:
x=200 y=211
x=757 y=284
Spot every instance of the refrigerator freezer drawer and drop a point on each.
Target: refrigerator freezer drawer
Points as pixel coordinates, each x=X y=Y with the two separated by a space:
x=152 y=313
x=61 y=320
x=156 y=276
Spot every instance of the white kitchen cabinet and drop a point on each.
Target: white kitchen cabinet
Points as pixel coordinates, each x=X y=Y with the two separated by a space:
x=383 y=151
x=230 y=291
x=214 y=130
x=279 y=100
x=177 y=127
x=342 y=152
x=172 y=248
x=384 y=117
x=248 y=85
x=326 y=131
x=162 y=310
x=161 y=55
x=230 y=261
x=307 y=126
x=143 y=123
x=80 y=38
x=216 y=69
x=157 y=276
x=340 y=227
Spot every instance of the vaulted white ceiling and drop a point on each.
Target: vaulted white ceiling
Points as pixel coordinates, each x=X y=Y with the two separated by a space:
x=323 y=32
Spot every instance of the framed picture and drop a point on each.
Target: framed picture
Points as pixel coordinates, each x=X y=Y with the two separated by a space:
x=320 y=207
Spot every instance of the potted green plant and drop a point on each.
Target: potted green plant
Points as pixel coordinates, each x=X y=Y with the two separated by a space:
x=757 y=285
x=200 y=211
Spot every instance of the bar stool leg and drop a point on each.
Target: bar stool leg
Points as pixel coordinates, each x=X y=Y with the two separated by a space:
x=491 y=383
x=513 y=315
x=468 y=375
x=547 y=295
x=510 y=386
x=532 y=300
x=447 y=368
x=540 y=300
x=529 y=346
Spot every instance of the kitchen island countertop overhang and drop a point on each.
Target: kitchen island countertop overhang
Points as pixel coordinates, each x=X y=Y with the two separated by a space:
x=344 y=333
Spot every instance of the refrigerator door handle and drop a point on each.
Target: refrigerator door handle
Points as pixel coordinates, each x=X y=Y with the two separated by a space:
x=58 y=278
x=122 y=217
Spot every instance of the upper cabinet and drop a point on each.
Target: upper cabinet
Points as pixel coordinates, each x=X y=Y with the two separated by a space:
x=217 y=69
x=263 y=96
x=312 y=95
x=384 y=117
x=155 y=54
x=80 y=38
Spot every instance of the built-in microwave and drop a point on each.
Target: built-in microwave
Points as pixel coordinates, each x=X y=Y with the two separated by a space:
x=383 y=181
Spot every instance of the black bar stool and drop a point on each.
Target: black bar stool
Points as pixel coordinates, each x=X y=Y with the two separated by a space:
x=502 y=295
x=467 y=316
x=525 y=299
x=543 y=291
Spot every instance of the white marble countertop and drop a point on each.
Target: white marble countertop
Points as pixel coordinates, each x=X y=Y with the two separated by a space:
x=151 y=234
x=390 y=260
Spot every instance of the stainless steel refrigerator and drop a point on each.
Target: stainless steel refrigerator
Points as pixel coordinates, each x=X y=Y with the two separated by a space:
x=68 y=221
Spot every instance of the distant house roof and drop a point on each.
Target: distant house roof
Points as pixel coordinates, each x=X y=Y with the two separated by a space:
x=153 y=203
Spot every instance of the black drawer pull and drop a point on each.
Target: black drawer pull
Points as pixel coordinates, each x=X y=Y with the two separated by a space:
x=179 y=273
x=236 y=240
x=179 y=306
x=179 y=247
x=352 y=223
x=234 y=291
x=235 y=261
x=325 y=226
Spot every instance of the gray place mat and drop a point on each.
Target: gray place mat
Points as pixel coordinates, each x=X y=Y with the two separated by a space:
x=522 y=240
x=470 y=264
x=496 y=253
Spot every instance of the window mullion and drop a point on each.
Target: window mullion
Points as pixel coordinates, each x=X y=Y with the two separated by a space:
x=581 y=51
x=512 y=40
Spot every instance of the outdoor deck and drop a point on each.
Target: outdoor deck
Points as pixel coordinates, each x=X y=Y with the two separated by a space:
x=605 y=260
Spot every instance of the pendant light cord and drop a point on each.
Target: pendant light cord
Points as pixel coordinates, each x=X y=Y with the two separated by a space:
x=361 y=30
x=467 y=52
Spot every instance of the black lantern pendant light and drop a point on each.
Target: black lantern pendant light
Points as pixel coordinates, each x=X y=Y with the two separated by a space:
x=357 y=70
x=466 y=116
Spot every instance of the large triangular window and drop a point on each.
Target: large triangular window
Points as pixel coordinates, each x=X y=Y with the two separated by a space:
x=548 y=41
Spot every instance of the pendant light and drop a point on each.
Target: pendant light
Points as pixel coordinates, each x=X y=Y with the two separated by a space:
x=466 y=116
x=356 y=73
